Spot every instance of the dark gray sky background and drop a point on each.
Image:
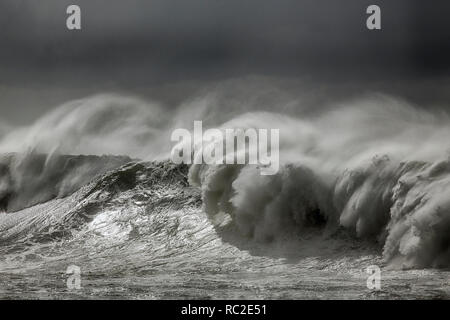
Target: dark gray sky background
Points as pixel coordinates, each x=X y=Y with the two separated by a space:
x=149 y=46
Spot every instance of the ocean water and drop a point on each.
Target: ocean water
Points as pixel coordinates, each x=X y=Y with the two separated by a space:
x=144 y=231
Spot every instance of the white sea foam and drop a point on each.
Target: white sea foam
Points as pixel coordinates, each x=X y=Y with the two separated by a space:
x=377 y=166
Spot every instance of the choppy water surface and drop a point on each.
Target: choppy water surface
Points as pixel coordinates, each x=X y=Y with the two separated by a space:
x=140 y=232
x=146 y=240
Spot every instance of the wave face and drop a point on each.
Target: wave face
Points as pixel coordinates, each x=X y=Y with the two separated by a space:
x=103 y=197
x=31 y=178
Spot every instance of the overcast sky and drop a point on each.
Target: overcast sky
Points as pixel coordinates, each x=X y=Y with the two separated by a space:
x=136 y=45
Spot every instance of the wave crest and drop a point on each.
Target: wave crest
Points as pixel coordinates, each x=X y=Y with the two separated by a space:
x=386 y=177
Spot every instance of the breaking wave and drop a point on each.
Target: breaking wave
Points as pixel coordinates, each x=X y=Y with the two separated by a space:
x=379 y=169
x=375 y=168
x=31 y=178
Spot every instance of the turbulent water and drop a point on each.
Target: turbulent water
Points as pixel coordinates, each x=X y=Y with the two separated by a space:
x=361 y=184
x=140 y=231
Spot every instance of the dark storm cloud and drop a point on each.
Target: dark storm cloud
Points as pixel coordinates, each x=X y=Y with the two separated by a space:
x=140 y=43
x=213 y=36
